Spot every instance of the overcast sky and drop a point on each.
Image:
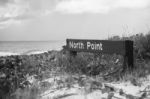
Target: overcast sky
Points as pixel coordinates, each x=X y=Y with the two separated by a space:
x=61 y=19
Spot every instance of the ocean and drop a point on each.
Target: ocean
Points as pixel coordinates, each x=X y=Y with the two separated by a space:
x=8 y=48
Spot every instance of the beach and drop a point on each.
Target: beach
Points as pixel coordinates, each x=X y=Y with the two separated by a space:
x=36 y=72
x=54 y=75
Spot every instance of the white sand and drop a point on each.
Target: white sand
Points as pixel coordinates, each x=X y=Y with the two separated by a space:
x=79 y=93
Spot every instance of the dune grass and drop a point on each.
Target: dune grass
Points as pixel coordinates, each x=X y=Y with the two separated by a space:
x=14 y=69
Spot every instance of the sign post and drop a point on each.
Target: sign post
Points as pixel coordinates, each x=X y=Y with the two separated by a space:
x=124 y=48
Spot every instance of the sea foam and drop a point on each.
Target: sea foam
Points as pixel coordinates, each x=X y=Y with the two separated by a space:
x=8 y=48
x=8 y=53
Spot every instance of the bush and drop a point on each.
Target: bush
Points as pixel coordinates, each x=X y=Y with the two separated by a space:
x=90 y=63
x=141 y=44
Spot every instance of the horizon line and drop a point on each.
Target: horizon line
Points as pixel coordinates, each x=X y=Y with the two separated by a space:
x=28 y=40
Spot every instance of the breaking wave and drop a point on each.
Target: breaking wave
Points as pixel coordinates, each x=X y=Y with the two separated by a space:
x=24 y=53
x=8 y=53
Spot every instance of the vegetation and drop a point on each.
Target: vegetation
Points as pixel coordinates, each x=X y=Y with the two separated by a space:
x=141 y=44
x=16 y=70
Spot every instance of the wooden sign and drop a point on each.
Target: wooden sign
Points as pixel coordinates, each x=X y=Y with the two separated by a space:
x=98 y=46
x=124 y=48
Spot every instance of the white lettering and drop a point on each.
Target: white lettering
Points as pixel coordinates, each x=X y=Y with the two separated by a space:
x=88 y=45
x=71 y=44
x=101 y=46
x=94 y=46
x=78 y=45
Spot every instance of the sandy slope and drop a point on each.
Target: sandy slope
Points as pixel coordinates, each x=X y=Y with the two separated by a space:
x=130 y=91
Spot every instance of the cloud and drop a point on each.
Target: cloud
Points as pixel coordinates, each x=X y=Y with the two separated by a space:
x=4 y=2
x=10 y=10
x=99 y=6
x=20 y=10
x=133 y=3
x=5 y=24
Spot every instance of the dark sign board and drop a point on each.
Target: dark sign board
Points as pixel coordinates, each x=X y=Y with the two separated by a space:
x=102 y=46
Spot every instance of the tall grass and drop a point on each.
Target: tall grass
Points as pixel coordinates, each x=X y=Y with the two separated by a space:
x=14 y=69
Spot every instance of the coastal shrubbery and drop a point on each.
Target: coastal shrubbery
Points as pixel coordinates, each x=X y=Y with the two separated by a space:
x=141 y=44
x=90 y=64
x=15 y=70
